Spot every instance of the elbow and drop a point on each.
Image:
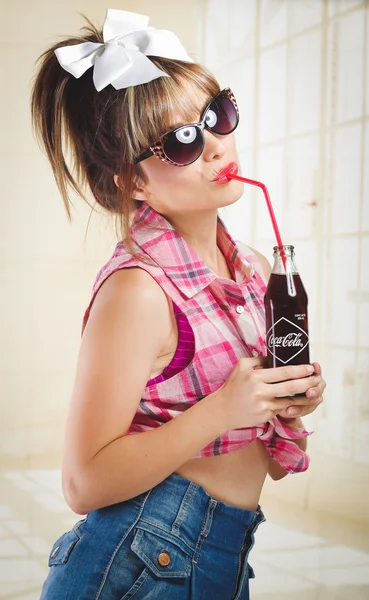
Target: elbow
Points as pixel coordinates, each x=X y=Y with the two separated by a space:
x=75 y=496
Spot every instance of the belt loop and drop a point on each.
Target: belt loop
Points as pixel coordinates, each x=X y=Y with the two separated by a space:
x=185 y=505
x=208 y=517
x=205 y=529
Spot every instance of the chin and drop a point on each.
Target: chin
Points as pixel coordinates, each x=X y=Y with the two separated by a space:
x=231 y=195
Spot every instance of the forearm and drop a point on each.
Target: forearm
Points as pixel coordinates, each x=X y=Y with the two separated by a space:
x=133 y=464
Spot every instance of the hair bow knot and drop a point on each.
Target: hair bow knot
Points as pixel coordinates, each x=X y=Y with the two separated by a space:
x=122 y=60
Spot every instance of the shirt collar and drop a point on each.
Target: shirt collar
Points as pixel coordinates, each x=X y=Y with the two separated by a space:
x=168 y=249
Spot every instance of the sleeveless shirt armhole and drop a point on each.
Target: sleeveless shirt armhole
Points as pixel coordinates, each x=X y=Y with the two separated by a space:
x=185 y=349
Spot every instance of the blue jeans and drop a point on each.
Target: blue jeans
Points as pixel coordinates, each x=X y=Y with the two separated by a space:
x=174 y=542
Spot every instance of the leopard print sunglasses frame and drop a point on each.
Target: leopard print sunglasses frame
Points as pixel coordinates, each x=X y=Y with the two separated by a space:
x=158 y=149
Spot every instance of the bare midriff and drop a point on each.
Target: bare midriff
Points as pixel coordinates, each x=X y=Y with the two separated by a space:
x=236 y=478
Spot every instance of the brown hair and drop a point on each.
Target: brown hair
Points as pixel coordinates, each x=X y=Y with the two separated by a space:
x=90 y=136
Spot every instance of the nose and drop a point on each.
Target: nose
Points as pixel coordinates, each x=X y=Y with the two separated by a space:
x=214 y=148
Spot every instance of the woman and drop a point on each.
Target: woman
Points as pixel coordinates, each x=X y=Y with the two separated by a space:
x=174 y=424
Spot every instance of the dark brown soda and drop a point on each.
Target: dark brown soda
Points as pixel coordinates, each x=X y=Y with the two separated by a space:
x=287 y=333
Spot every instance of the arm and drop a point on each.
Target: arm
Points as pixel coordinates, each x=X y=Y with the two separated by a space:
x=128 y=326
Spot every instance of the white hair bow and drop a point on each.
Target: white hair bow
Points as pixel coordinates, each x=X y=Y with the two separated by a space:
x=122 y=59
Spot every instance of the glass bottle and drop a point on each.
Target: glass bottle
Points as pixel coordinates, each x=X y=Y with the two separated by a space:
x=287 y=334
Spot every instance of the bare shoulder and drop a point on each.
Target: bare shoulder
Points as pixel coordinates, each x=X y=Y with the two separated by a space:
x=131 y=306
x=131 y=286
x=264 y=262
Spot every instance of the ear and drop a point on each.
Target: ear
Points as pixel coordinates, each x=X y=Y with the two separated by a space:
x=139 y=191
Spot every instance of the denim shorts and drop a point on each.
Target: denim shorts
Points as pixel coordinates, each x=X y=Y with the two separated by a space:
x=174 y=542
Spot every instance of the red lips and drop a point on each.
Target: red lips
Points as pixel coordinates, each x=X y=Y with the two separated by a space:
x=222 y=175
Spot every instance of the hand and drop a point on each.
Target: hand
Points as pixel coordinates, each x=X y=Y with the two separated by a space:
x=252 y=395
x=314 y=397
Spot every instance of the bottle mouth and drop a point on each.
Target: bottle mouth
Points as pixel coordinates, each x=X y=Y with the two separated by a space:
x=288 y=249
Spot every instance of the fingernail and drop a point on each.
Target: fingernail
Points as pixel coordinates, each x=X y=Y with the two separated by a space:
x=310 y=369
x=312 y=393
x=292 y=411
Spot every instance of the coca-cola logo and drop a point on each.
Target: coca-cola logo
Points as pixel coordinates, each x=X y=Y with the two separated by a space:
x=291 y=339
x=287 y=335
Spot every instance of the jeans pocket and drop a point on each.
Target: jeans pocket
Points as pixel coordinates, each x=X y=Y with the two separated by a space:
x=61 y=550
x=162 y=569
x=162 y=556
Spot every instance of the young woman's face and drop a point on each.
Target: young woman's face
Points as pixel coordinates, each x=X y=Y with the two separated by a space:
x=173 y=190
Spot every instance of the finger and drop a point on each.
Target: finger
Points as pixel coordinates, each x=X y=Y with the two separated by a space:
x=285 y=373
x=317 y=391
x=299 y=411
x=295 y=411
x=302 y=411
x=277 y=405
x=286 y=414
x=317 y=368
x=252 y=363
x=294 y=386
x=307 y=410
x=298 y=402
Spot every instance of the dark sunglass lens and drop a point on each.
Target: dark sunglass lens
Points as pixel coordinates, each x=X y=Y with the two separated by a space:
x=184 y=146
x=222 y=116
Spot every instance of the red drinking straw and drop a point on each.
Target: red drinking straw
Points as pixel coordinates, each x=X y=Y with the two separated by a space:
x=270 y=208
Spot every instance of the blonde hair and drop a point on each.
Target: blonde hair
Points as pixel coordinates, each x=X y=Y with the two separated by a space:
x=91 y=136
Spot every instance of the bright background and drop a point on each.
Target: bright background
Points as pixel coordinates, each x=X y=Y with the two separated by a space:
x=300 y=72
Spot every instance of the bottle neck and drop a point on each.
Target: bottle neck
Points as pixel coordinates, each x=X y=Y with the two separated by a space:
x=281 y=267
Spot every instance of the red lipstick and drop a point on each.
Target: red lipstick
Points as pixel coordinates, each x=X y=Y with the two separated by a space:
x=222 y=175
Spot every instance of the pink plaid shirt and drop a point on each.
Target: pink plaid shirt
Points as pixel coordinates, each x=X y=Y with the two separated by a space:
x=227 y=319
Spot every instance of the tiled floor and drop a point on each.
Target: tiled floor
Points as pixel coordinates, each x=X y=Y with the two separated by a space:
x=298 y=556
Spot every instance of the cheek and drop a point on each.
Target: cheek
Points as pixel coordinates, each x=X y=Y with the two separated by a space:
x=157 y=172
x=169 y=178
x=162 y=174
x=230 y=140
x=163 y=181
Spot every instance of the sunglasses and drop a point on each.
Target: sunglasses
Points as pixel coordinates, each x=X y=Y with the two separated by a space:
x=184 y=145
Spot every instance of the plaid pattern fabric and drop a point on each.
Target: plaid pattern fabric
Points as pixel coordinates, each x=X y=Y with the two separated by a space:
x=227 y=318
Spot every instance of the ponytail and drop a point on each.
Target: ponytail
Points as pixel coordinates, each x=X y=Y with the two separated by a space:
x=90 y=136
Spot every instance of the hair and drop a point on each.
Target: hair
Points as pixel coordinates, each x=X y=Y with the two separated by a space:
x=90 y=136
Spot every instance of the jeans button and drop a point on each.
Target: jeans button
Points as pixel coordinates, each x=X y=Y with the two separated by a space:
x=164 y=559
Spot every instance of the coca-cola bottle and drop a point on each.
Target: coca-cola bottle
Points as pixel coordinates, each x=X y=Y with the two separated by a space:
x=287 y=334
